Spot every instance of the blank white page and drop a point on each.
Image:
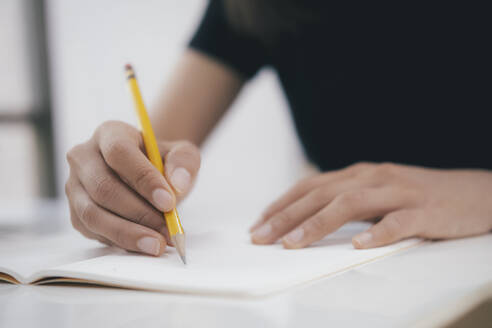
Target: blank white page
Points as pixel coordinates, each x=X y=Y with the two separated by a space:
x=25 y=257
x=225 y=262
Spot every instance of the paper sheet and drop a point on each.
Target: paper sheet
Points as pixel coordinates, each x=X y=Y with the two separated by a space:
x=225 y=262
x=25 y=257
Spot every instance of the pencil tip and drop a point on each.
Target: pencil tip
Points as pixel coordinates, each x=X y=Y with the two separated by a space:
x=179 y=243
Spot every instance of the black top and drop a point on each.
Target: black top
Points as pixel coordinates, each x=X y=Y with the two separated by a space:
x=405 y=84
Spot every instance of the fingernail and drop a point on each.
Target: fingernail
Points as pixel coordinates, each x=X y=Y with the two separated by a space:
x=363 y=239
x=262 y=232
x=163 y=199
x=295 y=236
x=181 y=179
x=149 y=245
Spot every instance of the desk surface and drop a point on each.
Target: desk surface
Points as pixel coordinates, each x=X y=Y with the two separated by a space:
x=424 y=286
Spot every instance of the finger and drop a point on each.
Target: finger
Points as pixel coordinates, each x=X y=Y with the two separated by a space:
x=123 y=154
x=393 y=227
x=83 y=230
x=353 y=205
x=108 y=191
x=303 y=187
x=79 y=226
x=125 y=234
x=181 y=165
x=75 y=220
x=288 y=218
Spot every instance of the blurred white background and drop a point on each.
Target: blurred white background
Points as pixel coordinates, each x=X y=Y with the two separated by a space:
x=251 y=158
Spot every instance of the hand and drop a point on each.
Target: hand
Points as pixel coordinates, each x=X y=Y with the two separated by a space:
x=411 y=201
x=117 y=196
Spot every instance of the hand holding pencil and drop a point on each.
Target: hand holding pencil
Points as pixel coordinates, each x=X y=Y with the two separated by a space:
x=174 y=228
x=116 y=194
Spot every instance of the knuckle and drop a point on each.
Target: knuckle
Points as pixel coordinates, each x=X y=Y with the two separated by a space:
x=75 y=223
x=393 y=225
x=385 y=171
x=143 y=177
x=71 y=155
x=190 y=153
x=320 y=195
x=388 y=166
x=107 y=129
x=144 y=218
x=351 y=200
x=89 y=215
x=107 y=125
x=360 y=166
x=281 y=219
x=317 y=224
x=116 y=150
x=104 y=189
x=119 y=237
x=305 y=184
x=189 y=146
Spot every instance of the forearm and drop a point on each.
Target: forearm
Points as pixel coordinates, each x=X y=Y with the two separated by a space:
x=198 y=94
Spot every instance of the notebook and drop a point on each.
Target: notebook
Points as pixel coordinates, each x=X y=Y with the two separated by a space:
x=220 y=262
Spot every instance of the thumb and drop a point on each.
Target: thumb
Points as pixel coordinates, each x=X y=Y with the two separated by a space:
x=181 y=164
x=393 y=227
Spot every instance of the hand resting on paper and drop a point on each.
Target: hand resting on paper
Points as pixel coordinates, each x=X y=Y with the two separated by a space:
x=117 y=196
x=410 y=201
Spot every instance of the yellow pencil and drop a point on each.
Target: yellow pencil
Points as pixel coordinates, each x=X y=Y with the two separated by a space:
x=172 y=219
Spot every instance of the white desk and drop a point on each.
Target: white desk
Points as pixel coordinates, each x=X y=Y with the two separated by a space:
x=423 y=286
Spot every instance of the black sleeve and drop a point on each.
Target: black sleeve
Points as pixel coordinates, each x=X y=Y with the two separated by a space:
x=216 y=38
